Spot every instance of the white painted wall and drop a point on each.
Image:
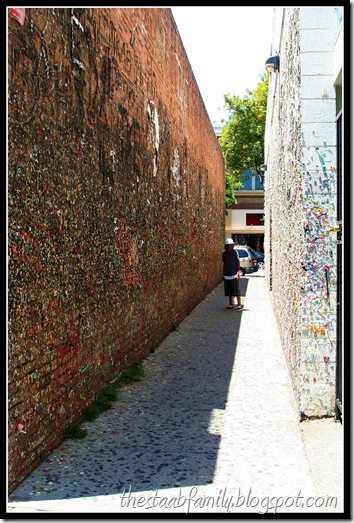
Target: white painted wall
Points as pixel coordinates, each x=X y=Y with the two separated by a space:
x=235 y=222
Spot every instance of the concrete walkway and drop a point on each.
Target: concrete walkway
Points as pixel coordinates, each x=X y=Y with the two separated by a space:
x=213 y=427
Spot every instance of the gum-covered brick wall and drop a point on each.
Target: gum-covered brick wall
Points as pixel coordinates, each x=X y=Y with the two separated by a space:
x=115 y=208
x=300 y=206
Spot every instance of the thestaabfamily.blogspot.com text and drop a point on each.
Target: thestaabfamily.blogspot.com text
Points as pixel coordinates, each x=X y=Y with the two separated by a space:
x=193 y=500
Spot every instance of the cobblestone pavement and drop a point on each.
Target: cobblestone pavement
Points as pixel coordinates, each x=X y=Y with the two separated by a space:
x=213 y=427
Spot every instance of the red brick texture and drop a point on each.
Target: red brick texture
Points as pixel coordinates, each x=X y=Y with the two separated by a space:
x=116 y=204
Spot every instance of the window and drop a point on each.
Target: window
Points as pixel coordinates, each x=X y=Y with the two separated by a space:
x=339 y=15
x=254 y=219
x=242 y=253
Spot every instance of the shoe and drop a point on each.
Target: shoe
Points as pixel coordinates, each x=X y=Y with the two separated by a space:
x=229 y=307
x=238 y=307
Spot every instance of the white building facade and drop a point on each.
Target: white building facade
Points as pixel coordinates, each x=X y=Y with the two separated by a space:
x=245 y=219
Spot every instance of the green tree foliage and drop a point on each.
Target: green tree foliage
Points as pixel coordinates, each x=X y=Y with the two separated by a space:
x=232 y=185
x=242 y=139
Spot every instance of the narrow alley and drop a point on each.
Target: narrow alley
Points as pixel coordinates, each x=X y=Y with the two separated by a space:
x=213 y=427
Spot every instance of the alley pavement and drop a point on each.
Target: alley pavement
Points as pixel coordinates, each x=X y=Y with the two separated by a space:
x=212 y=428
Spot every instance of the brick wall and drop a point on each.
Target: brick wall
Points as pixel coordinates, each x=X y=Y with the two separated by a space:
x=115 y=208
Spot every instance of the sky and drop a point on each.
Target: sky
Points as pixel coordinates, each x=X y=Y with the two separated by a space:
x=227 y=48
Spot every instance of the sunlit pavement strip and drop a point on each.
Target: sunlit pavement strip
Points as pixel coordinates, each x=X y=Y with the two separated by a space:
x=263 y=450
x=260 y=464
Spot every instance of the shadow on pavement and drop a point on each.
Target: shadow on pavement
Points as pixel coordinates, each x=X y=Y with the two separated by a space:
x=162 y=432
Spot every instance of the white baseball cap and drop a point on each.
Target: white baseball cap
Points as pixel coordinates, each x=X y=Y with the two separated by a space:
x=229 y=241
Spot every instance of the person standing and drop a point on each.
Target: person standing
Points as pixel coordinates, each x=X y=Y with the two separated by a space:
x=231 y=275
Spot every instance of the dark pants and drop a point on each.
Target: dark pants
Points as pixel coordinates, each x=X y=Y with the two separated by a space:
x=231 y=287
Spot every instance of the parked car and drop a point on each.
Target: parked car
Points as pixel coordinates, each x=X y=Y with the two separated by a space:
x=248 y=259
x=260 y=259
